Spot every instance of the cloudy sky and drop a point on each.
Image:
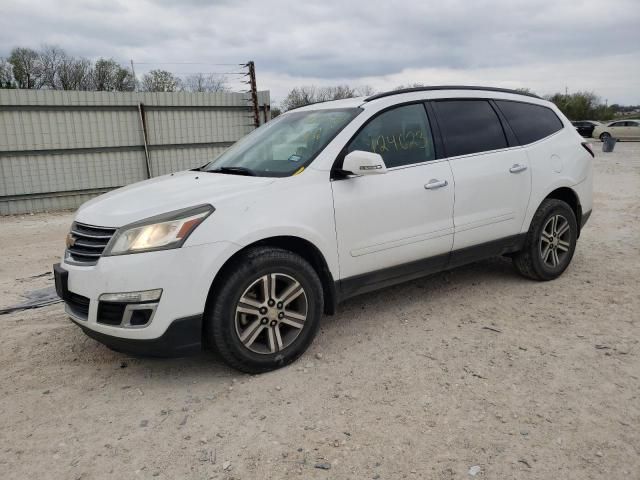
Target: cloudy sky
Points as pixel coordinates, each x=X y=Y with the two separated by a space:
x=545 y=45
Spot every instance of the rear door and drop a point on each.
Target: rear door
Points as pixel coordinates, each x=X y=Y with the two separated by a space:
x=632 y=129
x=492 y=179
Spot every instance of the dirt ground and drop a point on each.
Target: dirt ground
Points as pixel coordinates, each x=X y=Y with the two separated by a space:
x=477 y=367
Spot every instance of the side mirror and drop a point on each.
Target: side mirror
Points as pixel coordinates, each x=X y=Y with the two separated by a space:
x=359 y=162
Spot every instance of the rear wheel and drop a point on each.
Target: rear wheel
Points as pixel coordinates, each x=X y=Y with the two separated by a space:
x=550 y=242
x=267 y=311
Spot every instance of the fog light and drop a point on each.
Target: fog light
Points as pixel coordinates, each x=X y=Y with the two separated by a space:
x=140 y=317
x=132 y=297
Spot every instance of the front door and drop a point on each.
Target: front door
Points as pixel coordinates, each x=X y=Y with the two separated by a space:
x=618 y=130
x=389 y=223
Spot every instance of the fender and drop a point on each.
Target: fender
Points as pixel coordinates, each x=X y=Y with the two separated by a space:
x=534 y=203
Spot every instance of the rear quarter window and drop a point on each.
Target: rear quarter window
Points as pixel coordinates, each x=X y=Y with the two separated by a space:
x=529 y=122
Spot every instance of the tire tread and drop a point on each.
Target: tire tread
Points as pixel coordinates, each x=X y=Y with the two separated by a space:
x=236 y=271
x=523 y=261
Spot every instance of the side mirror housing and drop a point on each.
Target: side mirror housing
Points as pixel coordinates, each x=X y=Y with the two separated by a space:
x=359 y=162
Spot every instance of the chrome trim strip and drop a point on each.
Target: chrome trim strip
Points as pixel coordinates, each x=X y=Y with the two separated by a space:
x=131 y=307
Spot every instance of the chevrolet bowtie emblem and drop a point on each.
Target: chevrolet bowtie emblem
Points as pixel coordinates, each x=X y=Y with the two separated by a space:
x=70 y=241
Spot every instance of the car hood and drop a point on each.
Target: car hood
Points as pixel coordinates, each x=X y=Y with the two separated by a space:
x=164 y=194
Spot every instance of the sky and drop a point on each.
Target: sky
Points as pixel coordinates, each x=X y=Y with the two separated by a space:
x=545 y=45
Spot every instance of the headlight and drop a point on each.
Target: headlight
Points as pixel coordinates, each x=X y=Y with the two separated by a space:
x=169 y=230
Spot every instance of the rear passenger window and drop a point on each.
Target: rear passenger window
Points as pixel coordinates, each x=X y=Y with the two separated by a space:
x=469 y=126
x=402 y=136
x=529 y=122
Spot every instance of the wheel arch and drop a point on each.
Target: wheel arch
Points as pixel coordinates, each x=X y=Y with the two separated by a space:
x=297 y=245
x=603 y=132
x=570 y=197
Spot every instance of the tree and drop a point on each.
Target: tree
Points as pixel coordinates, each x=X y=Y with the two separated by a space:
x=365 y=91
x=50 y=58
x=298 y=97
x=410 y=85
x=26 y=67
x=74 y=74
x=525 y=91
x=108 y=76
x=201 y=82
x=581 y=106
x=160 y=81
x=275 y=111
x=306 y=95
x=338 y=92
x=6 y=74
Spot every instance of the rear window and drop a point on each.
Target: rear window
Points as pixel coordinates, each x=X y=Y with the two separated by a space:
x=469 y=126
x=529 y=122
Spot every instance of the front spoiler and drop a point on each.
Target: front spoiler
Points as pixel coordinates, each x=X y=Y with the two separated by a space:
x=182 y=338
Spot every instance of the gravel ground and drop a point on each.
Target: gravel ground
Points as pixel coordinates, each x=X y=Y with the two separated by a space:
x=474 y=370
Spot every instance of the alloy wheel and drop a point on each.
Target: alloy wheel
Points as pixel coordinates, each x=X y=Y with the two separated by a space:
x=555 y=241
x=271 y=313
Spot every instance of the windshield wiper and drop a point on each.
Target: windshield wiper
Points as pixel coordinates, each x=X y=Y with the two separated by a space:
x=234 y=171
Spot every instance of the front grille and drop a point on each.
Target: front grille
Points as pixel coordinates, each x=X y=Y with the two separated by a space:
x=89 y=242
x=78 y=304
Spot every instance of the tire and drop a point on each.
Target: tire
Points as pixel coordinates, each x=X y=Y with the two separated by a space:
x=264 y=332
x=547 y=253
x=604 y=135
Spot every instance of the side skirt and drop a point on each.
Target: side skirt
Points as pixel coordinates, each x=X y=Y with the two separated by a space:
x=371 y=281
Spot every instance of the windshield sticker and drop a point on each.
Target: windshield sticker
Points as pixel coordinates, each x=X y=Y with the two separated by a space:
x=295 y=158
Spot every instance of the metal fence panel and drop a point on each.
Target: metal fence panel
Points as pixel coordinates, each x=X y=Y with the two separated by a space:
x=61 y=148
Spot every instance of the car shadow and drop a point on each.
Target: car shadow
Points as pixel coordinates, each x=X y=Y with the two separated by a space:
x=495 y=273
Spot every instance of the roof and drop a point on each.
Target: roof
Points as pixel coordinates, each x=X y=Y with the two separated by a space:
x=344 y=103
x=448 y=87
x=362 y=101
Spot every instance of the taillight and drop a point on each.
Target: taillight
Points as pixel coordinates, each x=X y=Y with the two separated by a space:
x=589 y=148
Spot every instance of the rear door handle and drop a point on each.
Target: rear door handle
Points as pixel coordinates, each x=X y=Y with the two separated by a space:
x=516 y=168
x=435 y=183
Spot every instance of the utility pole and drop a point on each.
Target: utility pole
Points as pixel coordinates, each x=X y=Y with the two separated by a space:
x=254 y=93
x=135 y=80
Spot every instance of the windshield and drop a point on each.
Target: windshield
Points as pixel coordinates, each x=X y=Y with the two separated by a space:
x=285 y=145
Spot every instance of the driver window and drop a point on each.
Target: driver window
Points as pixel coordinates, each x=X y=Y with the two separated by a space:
x=402 y=136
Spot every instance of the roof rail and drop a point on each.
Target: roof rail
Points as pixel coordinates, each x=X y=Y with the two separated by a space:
x=447 y=87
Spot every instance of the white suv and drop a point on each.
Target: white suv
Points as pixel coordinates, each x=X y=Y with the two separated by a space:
x=325 y=202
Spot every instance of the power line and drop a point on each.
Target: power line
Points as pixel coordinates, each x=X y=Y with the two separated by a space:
x=209 y=73
x=191 y=63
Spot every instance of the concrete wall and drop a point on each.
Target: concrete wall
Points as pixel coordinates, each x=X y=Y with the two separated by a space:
x=59 y=149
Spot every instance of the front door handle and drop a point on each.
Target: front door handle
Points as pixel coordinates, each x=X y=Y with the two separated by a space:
x=516 y=168
x=435 y=183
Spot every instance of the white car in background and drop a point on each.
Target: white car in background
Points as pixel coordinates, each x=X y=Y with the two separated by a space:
x=620 y=129
x=327 y=201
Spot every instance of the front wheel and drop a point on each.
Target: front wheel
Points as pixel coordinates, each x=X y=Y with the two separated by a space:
x=550 y=242
x=604 y=136
x=267 y=310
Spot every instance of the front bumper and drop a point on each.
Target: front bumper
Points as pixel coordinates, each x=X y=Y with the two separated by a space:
x=183 y=337
x=585 y=217
x=184 y=275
